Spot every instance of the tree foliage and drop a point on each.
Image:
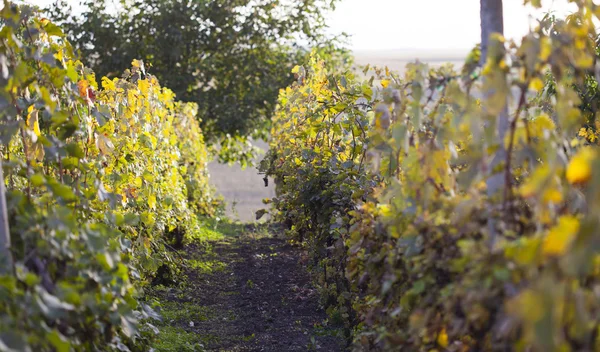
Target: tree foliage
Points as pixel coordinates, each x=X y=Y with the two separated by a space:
x=387 y=187
x=229 y=57
x=98 y=175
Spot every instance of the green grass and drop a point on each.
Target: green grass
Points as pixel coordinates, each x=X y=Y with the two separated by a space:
x=172 y=339
x=213 y=230
x=184 y=312
x=174 y=334
x=207 y=266
x=175 y=331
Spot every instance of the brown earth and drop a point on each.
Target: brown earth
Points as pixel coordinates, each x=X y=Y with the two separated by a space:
x=255 y=294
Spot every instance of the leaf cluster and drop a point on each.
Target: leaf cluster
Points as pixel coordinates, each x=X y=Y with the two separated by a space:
x=450 y=236
x=99 y=177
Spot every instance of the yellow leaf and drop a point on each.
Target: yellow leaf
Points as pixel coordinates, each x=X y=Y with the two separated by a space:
x=144 y=86
x=385 y=210
x=152 y=201
x=524 y=251
x=536 y=84
x=385 y=83
x=527 y=306
x=545 y=48
x=580 y=169
x=442 y=338
x=107 y=84
x=91 y=80
x=585 y=61
x=560 y=236
x=552 y=196
x=123 y=195
x=542 y=123
x=535 y=181
x=32 y=120
x=574 y=143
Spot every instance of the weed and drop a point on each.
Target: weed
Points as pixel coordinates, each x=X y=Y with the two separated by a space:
x=172 y=339
x=207 y=266
x=184 y=312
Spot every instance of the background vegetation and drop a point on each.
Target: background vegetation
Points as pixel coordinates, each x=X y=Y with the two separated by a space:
x=229 y=57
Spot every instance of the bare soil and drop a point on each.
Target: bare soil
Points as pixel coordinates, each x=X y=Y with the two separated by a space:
x=259 y=297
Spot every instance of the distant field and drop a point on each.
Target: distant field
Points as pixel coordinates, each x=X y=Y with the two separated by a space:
x=396 y=60
x=244 y=189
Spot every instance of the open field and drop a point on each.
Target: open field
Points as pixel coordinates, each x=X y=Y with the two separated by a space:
x=244 y=190
x=396 y=60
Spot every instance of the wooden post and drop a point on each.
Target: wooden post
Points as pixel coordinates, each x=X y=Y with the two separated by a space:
x=492 y=21
x=6 y=260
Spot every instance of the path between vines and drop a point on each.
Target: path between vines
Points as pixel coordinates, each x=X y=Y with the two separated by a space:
x=248 y=291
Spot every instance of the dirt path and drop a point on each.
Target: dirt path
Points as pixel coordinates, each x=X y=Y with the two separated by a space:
x=245 y=293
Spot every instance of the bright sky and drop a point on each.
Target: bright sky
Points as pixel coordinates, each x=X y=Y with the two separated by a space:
x=421 y=24
x=428 y=24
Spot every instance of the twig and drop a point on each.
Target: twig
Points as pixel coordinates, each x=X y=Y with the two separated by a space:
x=513 y=127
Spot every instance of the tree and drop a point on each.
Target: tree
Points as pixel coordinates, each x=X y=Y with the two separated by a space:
x=229 y=56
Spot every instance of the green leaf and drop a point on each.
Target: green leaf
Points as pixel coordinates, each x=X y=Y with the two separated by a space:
x=53 y=30
x=60 y=343
x=72 y=73
x=75 y=150
x=62 y=191
x=51 y=306
x=37 y=180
